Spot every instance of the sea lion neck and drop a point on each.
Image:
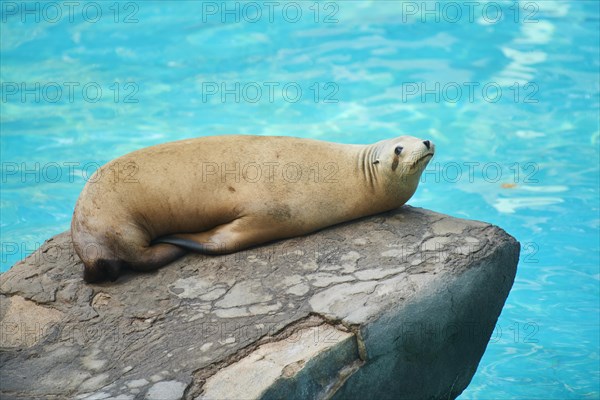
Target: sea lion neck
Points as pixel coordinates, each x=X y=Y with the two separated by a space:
x=368 y=160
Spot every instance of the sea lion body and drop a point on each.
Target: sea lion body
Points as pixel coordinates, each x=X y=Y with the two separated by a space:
x=225 y=193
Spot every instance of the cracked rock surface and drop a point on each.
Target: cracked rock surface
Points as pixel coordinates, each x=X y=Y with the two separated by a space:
x=400 y=305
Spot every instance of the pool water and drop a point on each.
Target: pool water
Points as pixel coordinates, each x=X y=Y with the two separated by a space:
x=508 y=91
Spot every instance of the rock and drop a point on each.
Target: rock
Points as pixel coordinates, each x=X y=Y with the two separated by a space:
x=396 y=306
x=169 y=390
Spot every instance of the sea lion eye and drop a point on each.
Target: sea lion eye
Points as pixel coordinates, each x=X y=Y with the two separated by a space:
x=398 y=150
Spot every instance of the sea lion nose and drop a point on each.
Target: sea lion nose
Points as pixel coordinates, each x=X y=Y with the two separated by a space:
x=427 y=144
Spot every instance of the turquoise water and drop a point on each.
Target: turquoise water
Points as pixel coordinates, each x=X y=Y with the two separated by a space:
x=509 y=92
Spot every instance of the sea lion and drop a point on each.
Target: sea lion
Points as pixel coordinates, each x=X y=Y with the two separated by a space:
x=221 y=194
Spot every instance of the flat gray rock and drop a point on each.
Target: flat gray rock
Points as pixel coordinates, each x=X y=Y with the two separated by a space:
x=396 y=306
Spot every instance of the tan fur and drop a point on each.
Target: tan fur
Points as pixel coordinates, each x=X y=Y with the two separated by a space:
x=264 y=188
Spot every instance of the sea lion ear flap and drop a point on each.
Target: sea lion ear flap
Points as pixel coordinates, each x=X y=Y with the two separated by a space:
x=375 y=162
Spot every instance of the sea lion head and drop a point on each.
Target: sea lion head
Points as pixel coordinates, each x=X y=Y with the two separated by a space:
x=402 y=160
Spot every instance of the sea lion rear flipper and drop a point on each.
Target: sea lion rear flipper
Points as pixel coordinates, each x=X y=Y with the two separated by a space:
x=102 y=269
x=223 y=239
x=184 y=241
